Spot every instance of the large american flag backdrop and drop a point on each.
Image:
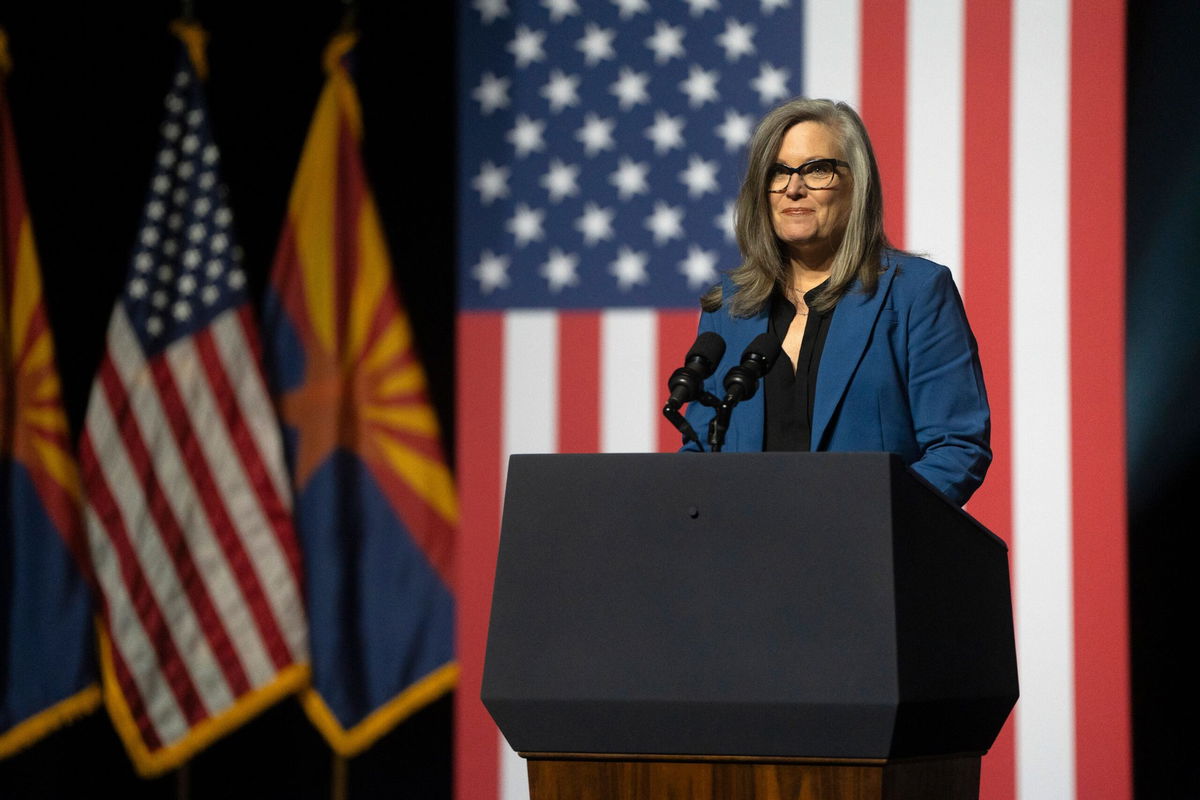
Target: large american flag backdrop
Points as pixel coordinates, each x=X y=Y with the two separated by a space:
x=601 y=142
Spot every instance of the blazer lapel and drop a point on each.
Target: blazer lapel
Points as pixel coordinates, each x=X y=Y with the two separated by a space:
x=849 y=333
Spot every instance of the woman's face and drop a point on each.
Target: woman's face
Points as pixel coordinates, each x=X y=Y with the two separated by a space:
x=810 y=222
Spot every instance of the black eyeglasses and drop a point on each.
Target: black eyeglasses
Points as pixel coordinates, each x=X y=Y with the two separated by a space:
x=820 y=173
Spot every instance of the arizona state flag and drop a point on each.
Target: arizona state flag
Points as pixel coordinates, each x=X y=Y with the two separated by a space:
x=47 y=668
x=375 y=506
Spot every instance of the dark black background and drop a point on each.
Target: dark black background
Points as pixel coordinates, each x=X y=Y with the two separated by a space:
x=86 y=97
x=1162 y=382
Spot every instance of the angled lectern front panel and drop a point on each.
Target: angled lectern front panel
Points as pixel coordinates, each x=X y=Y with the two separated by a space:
x=763 y=604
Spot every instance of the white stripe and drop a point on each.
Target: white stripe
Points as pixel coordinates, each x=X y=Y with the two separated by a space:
x=530 y=383
x=130 y=639
x=128 y=635
x=1045 y=742
x=628 y=401
x=514 y=774
x=254 y=403
x=933 y=136
x=154 y=566
x=245 y=513
x=831 y=50
x=172 y=476
x=263 y=547
x=529 y=424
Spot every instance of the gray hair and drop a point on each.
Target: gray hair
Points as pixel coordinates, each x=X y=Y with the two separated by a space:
x=764 y=263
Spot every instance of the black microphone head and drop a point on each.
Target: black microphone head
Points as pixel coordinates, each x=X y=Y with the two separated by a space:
x=762 y=352
x=741 y=382
x=709 y=348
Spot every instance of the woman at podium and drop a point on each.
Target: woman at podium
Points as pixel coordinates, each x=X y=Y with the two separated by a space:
x=870 y=346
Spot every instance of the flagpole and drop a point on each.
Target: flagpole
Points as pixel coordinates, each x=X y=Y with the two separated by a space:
x=349 y=22
x=183 y=781
x=338 y=777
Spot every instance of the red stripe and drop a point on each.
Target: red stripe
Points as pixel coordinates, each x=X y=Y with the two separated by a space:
x=578 y=382
x=278 y=510
x=188 y=578
x=103 y=506
x=250 y=327
x=132 y=695
x=676 y=332
x=479 y=413
x=1097 y=246
x=170 y=532
x=986 y=229
x=225 y=533
x=884 y=75
x=252 y=465
x=168 y=661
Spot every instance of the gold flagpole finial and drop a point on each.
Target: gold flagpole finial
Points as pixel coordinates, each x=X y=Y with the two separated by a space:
x=195 y=38
x=341 y=43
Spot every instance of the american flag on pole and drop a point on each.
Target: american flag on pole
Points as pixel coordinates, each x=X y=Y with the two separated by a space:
x=188 y=509
x=47 y=665
x=601 y=142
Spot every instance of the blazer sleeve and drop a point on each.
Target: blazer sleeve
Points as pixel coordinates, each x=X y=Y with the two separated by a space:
x=951 y=418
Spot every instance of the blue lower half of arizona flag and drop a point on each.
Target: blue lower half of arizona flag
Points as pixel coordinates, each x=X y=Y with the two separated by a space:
x=375 y=505
x=381 y=620
x=47 y=666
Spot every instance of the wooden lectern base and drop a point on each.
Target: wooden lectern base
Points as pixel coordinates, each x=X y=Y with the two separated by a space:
x=566 y=776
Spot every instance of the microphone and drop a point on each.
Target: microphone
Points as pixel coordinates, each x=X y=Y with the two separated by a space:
x=741 y=382
x=686 y=383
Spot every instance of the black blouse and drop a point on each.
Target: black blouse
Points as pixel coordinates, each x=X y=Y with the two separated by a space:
x=787 y=394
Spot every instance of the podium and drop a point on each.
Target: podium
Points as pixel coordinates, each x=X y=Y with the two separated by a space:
x=820 y=626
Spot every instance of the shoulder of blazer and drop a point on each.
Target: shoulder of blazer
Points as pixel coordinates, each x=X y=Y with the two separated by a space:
x=908 y=272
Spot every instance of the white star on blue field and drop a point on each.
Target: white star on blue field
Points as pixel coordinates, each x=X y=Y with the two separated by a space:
x=602 y=144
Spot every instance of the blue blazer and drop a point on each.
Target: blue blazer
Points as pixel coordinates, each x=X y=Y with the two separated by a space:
x=900 y=372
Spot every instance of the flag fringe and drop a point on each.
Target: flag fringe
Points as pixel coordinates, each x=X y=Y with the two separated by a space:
x=351 y=742
x=45 y=722
x=153 y=764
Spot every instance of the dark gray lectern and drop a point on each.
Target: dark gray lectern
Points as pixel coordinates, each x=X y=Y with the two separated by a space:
x=824 y=625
